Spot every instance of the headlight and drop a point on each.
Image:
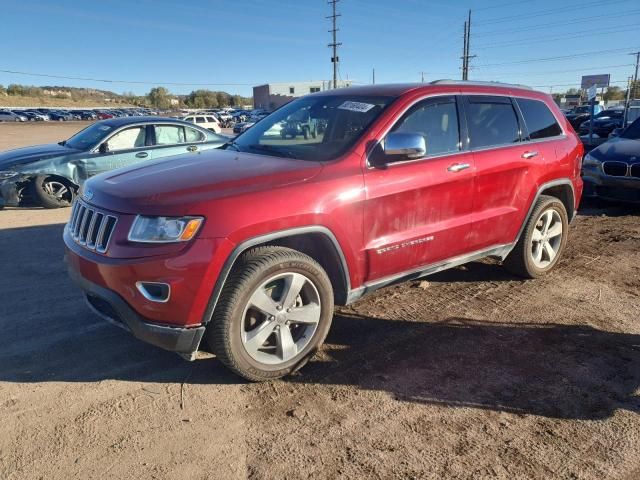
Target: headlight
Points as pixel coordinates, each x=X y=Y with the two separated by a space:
x=164 y=229
x=8 y=174
x=590 y=161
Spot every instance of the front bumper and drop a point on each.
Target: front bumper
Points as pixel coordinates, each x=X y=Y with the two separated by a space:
x=112 y=307
x=599 y=185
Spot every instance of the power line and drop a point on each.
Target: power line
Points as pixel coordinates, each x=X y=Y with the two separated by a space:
x=583 y=69
x=581 y=34
x=551 y=59
x=552 y=11
x=132 y=82
x=501 y=5
x=553 y=24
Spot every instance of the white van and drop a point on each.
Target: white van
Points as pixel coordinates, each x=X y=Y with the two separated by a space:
x=209 y=122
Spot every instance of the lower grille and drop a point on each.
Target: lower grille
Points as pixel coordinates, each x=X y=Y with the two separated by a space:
x=90 y=227
x=615 y=169
x=635 y=170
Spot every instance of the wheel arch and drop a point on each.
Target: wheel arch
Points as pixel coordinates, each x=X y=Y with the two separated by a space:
x=562 y=189
x=316 y=241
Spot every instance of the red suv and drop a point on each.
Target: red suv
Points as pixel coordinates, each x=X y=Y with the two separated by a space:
x=251 y=246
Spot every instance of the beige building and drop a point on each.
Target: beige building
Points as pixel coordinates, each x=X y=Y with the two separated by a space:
x=273 y=95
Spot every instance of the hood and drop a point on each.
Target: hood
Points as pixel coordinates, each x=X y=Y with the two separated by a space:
x=182 y=183
x=619 y=149
x=21 y=156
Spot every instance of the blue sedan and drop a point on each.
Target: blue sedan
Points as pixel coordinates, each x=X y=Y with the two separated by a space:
x=50 y=175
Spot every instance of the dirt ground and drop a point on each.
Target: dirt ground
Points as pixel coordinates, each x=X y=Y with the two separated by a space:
x=471 y=374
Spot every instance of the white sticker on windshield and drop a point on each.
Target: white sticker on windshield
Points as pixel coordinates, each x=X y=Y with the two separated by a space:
x=356 y=106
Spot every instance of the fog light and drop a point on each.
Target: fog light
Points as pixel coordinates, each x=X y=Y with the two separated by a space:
x=154 y=291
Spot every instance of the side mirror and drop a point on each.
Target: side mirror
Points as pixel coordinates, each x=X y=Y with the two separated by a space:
x=103 y=148
x=404 y=146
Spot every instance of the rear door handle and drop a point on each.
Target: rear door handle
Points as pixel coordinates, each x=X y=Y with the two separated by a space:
x=458 y=167
x=142 y=155
x=192 y=148
x=528 y=155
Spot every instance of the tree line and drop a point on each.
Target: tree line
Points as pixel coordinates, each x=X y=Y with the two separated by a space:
x=157 y=97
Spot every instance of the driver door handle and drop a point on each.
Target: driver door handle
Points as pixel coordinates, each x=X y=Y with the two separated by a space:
x=142 y=155
x=529 y=155
x=458 y=167
x=192 y=148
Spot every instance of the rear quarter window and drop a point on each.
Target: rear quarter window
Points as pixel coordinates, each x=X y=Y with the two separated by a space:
x=539 y=120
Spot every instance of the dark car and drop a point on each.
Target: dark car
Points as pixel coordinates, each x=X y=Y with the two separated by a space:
x=60 y=116
x=581 y=114
x=85 y=115
x=50 y=175
x=612 y=170
x=603 y=123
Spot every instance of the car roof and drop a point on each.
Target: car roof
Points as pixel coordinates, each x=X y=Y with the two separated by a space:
x=398 y=89
x=121 y=121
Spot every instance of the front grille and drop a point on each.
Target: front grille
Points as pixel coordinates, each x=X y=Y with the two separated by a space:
x=635 y=170
x=615 y=169
x=90 y=227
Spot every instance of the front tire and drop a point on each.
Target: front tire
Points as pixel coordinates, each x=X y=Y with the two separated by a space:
x=542 y=241
x=274 y=312
x=52 y=192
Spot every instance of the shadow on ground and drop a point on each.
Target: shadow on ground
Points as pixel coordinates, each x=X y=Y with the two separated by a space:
x=561 y=371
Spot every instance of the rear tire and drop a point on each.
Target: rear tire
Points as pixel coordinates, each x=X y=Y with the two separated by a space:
x=273 y=314
x=52 y=192
x=542 y=241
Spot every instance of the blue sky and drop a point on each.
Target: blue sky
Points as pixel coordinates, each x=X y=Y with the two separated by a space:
x=234 y=44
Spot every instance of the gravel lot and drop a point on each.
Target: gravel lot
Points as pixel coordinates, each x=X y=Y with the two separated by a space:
x=470 y=374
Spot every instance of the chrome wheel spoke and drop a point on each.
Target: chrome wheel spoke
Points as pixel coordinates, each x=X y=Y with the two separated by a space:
x=537 y=235
x=263 y=302
x=293 y=286
x=555 y=230
x=537 y=254
x=287 y=348
x=547 y=217
x=551 y=253
x=306 y=314
x=255 y=338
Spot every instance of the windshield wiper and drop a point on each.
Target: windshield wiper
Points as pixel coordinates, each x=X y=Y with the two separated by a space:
x=63 y=143
x=272 y=150
x=233 y=144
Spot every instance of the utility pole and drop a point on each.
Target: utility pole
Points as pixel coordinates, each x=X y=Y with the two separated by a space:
x=632 y=84
x=334 y=44
x=466 y=56
x=373 y=76
x=422 y=77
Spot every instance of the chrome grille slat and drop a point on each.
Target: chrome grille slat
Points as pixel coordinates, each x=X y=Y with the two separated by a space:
x=91 y=227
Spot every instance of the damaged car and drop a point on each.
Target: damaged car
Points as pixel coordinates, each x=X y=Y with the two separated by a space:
x=50 y=175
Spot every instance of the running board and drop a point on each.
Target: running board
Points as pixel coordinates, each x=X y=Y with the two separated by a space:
x=500 y=251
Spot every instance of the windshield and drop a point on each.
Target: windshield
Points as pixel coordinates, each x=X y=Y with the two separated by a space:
x=582 y=110
x=89 y=137
x=316 y=128
x=633 y=131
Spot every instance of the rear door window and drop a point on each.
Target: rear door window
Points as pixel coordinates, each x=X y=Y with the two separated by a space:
x=492 y=121
x=539 y=120
x=193 y=135
x=169 y=134
x=200 y=120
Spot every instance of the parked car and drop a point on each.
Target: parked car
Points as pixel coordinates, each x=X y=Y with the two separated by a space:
x=7 y=116
x=301 y=123
x=612 y=170
x=103 y=115
x=37 y=115
x=85 y=115
x=50 y=175
x=210 y=122
x=603 y=123
x=251 y=255
x=57 y=115
x=242 y=127
x=582 y=113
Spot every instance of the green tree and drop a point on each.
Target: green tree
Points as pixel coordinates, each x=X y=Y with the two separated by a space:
x=614 y=93
x=159 y=97
x=3 y=91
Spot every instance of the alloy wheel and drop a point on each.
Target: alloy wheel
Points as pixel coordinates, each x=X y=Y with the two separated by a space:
x=280 y=318
x=546 y=239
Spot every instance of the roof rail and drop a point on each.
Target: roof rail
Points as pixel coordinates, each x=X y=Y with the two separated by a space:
x=478 y=83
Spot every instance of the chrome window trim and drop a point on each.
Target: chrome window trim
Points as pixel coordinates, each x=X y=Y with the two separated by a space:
x=468 y=150
x=146 y=124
